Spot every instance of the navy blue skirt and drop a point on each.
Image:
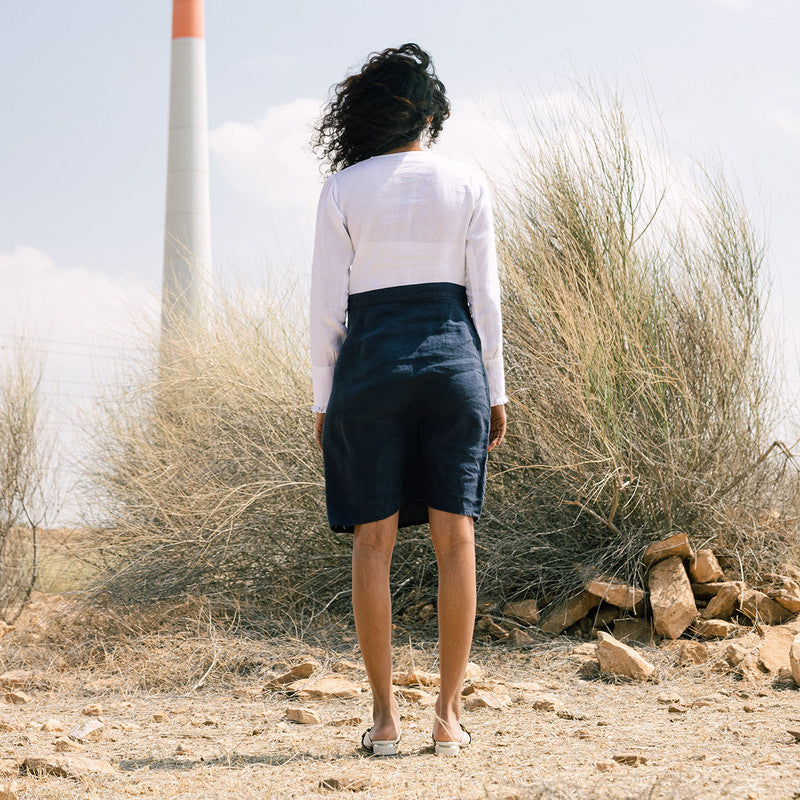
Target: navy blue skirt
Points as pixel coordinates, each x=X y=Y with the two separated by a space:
x=407 y=423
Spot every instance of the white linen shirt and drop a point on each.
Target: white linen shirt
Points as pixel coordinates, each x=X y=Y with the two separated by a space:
x=395 y=220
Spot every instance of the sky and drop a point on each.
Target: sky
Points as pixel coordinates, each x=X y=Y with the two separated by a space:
x=84 y=107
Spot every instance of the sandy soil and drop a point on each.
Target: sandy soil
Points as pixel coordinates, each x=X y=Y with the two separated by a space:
x=232 y=740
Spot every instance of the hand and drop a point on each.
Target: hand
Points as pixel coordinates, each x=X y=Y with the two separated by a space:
x=497 y=426
x=320 y=421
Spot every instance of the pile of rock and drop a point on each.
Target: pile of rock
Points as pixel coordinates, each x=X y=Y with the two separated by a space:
x=687 y=594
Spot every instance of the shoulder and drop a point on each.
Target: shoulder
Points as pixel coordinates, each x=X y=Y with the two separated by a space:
x=471 y=176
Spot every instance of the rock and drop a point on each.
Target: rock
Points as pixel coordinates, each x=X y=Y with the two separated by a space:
x=794 y=658
x=210 y=719
x=345 y=722
x=64 y=745
x=416 y=696
x=6 y=726
x=617 y=594
x=8 y=793
x=546 y=702
x=488 y=626
x=346 y=783
x=489 y=686
x=18 y=698
x=182 y=750
x=93 y=710
x=791 y=602
x=773 y=650
x=670 y=698
x=794 y=732
x=604 y=617
x=760 y=608
x=704 y=567
x=520 y=638
x=630 y=759
x=303 y=716
x=17 y=679
x=607 y=766
x=671 y=597
x=715 y=628
x=676 y=546
x=72 y=766
x=677 y=708
x=160 y=716
x=52 y=726
x=709 y=701
x=482 y=698
x=705 y=591
x=722 y=604
x=632 y=629
x=90 y=731
x=332 y=686
x=415 y=677
x=569 y=611
x=5 y=628
x=474 y=672
x=617 y=658
x=305 y=669
x=693 y=652
x=735 y=653
x=585 y=649
x=526 y=611
x=344 y=665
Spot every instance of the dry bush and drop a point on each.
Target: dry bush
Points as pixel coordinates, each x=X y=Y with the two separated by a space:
x=26 y=491
x=641 y=404
x=643 y=387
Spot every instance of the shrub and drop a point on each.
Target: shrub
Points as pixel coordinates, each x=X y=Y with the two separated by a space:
x=644 y=388
x=26 y=490
x=641 y=404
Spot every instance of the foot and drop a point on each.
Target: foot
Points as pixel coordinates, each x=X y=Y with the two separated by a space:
x=446 y=726
x=386 y=724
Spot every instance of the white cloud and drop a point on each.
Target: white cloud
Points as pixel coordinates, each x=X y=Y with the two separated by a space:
x=85 y=327
x=787 y=119
x=270 y=160
x=764 y=8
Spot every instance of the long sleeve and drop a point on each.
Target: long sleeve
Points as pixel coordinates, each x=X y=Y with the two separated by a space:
x=483 y=291
x=330 y=267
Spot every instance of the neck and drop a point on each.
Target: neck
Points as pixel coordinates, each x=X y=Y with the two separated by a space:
x=415 y=145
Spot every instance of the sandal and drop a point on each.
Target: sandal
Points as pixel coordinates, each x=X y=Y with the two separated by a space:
x=453 y=748
x=384 y=747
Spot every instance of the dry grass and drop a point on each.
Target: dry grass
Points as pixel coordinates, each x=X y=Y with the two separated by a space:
x=26 y=485
x=642 y=383
x=641 y=404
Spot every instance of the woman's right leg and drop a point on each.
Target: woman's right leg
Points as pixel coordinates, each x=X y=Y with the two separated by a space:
x=373 y=544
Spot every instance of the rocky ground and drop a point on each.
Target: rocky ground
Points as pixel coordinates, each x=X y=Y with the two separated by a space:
x=546 y=724
x=686 y=690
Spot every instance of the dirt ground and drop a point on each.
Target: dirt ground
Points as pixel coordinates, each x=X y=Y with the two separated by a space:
x=231 y=738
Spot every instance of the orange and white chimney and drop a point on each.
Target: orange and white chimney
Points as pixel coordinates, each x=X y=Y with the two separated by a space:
x=187 y=280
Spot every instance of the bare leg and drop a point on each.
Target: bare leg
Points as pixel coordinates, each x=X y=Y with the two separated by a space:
x=372 y=608
x=454 y=541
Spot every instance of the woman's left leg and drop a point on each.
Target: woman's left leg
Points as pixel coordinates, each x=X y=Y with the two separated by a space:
x=373 y=544
x=454 y=541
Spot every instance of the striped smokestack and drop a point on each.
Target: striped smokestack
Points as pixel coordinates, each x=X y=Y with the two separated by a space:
x=186 y=288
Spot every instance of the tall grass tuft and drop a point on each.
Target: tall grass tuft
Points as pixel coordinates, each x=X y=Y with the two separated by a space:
x=641 y=390
x=26 y=485
x=643 y=385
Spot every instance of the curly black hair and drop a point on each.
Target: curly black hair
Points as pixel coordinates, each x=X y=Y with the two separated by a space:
x=384 y=106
